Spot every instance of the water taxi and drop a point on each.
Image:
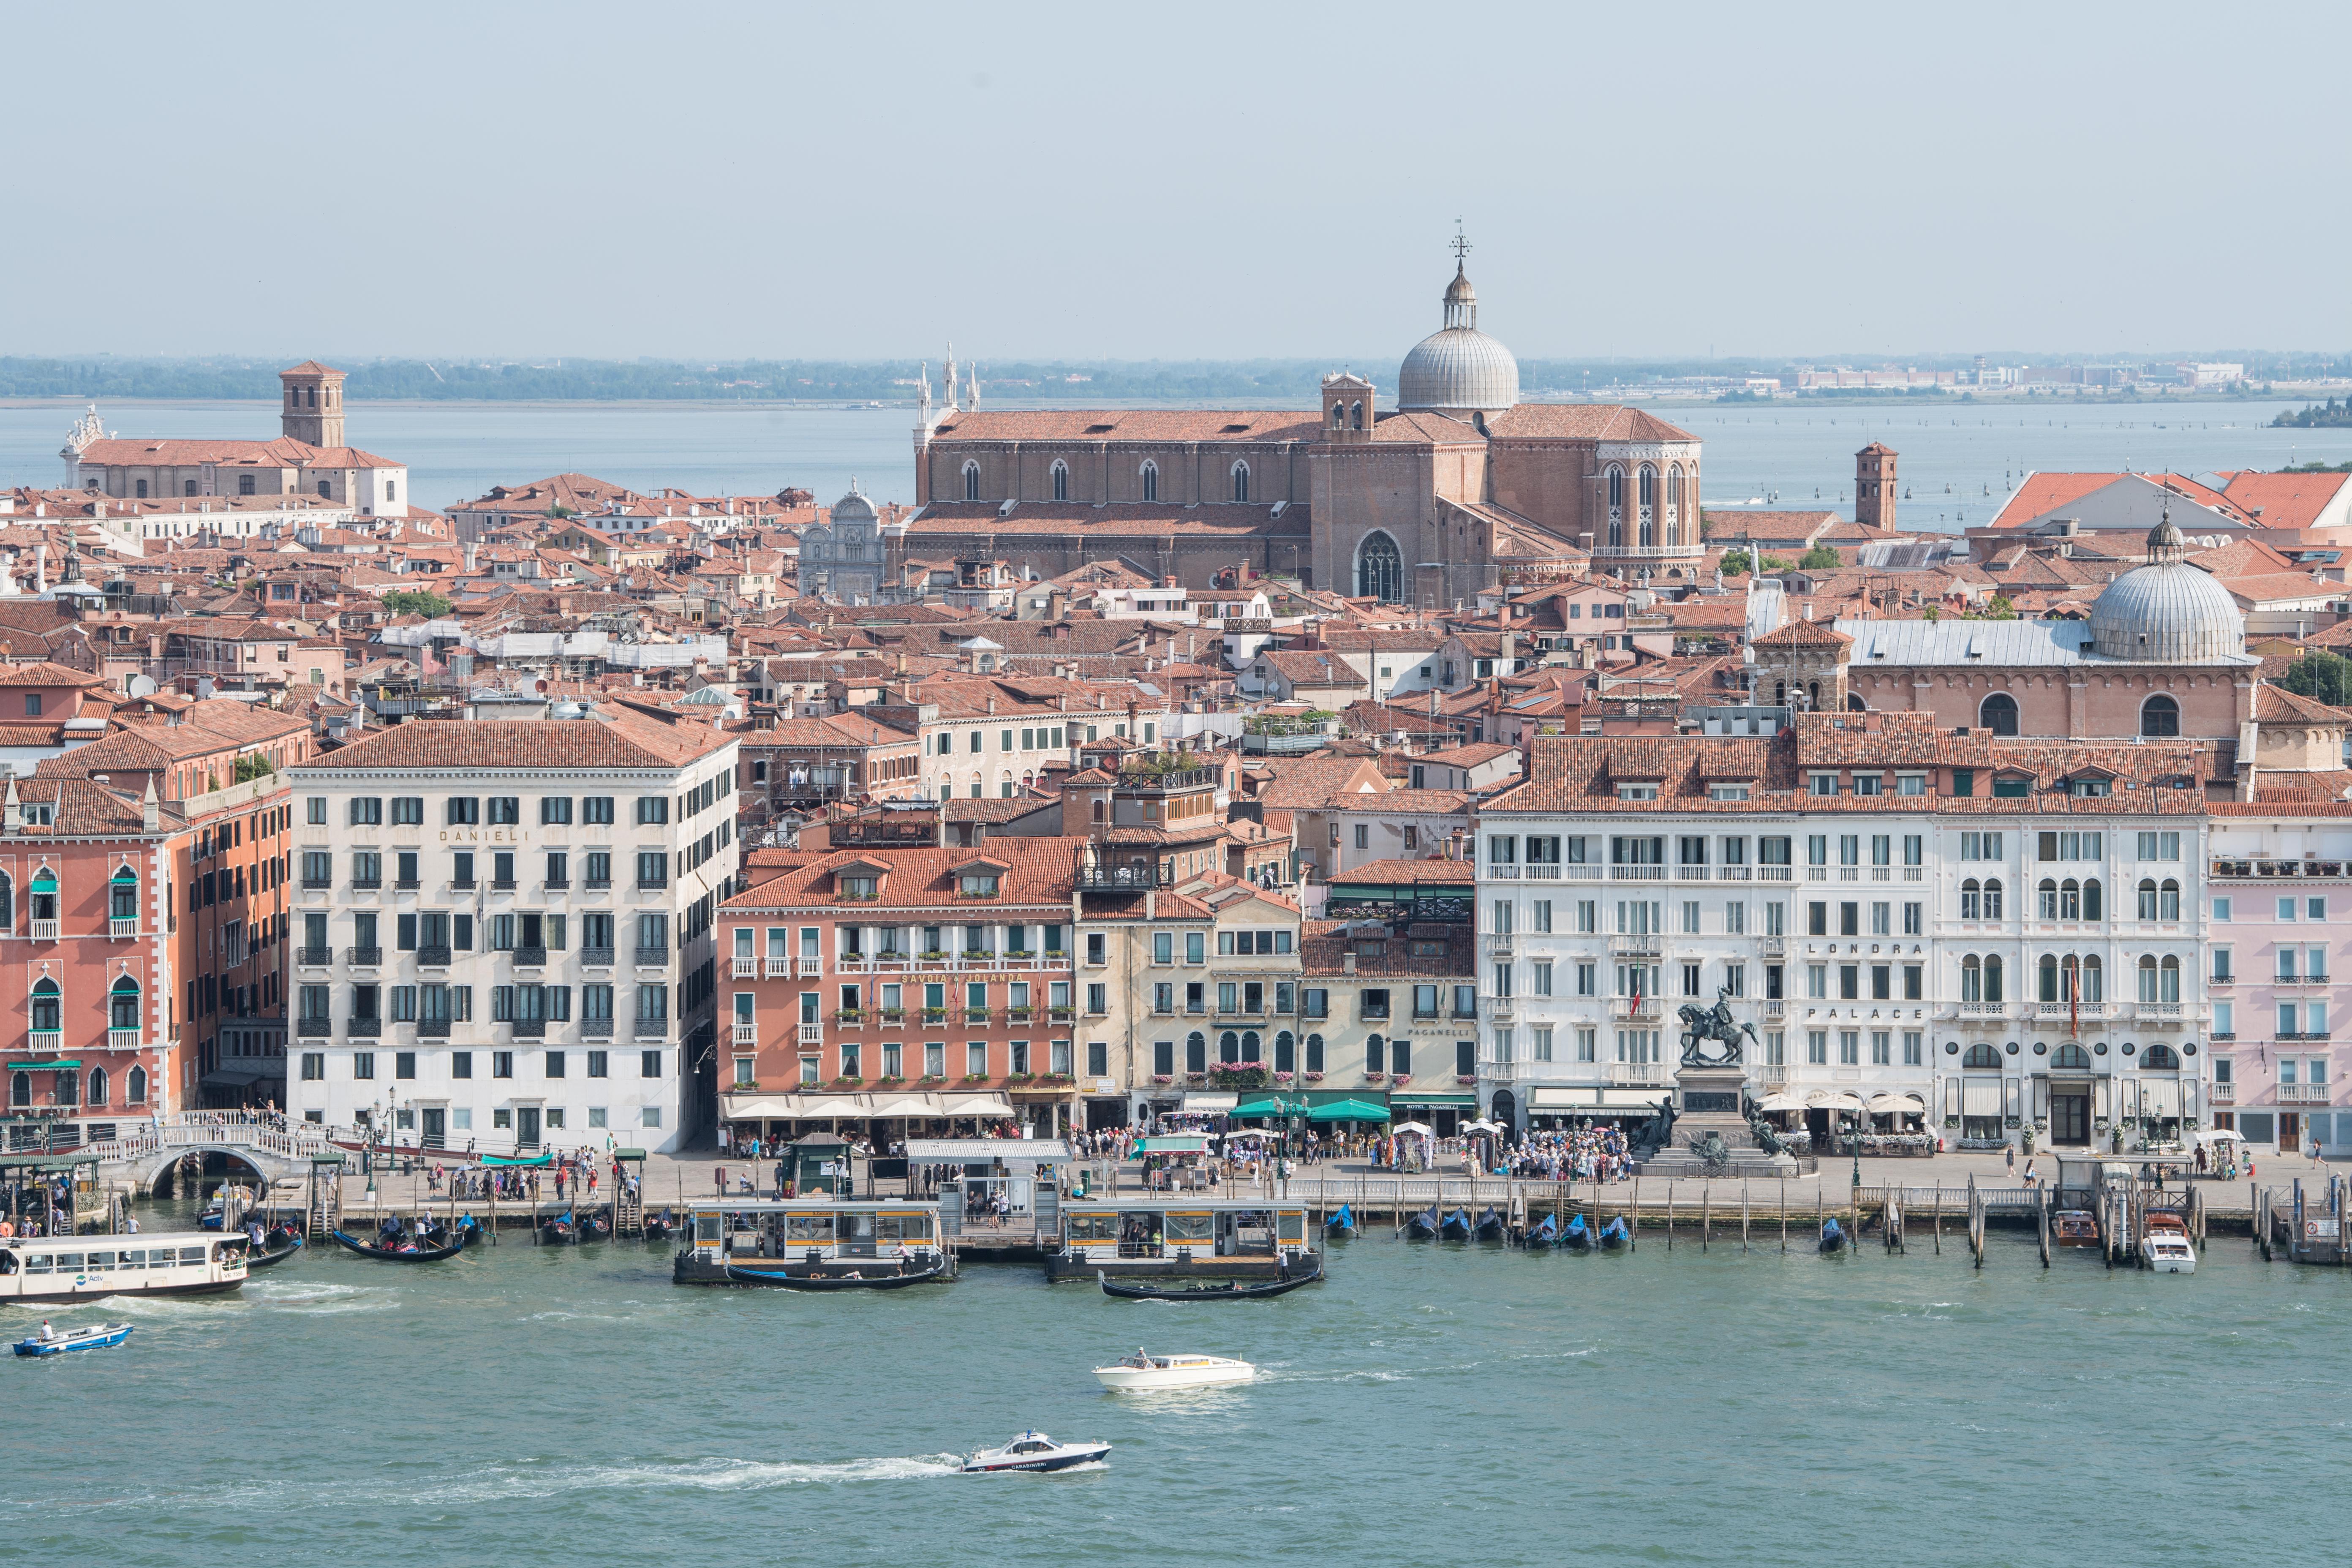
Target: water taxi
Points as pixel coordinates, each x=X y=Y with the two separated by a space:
x=85 y=1267
x=1145 y=1374
x=1176 y=1237
x=2166 y=1247
x=98 y=1337
x=813 y=1244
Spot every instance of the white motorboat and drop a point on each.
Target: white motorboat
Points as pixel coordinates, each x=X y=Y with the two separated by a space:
x=2166 y=1249
x=1145 y=1374
x=1035 y=1451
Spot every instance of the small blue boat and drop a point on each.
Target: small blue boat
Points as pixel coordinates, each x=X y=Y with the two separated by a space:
x=1456 y=1226
x=1490 y=1227
x=1342 y=1224
x=1577 y=1236
x=1832 y=1235
x=1614 y=1234
x=1543 y=1233
x=97 y=1338
x=1423 y=1227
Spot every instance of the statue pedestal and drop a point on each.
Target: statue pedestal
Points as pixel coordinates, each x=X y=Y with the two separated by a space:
x=1707 y=1099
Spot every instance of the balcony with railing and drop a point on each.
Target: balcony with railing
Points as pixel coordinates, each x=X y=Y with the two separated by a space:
x=363 y=957
x=1133 y=878
x=2303 y=1094
x=1633 y=1010
x=595 y=1028
x=463 y=884
x=315 y=1028
x=658 y=1028
x=2224 y=1094
x=122 y=926
x=45 y=1039
x=531 y=957
x=747 y=968
x=364 y=1028
x=2157 y=1012
x=529 y=1029
x=314 y=957
x=747 y=1034
x=122 y=1040
x=434 y=957
x=596 y=957
x=1649 y=946
x=1644 y=1075
x=653 y=957
x=433 y=1028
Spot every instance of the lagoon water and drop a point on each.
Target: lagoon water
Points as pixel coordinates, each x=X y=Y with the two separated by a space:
x=1446 y=1404
x=456 y=452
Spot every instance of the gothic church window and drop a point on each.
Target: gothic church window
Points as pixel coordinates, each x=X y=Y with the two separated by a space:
x=2159 y=716
x=1649 y=507
x=1997 y=713
x=1380 y=569
x=970 y=481
x=1616 y=507
x=1241 y=481
x=1150 y=480
x=1061 y=479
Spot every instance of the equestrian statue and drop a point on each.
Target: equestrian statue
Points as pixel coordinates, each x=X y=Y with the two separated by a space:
x=1702 y=1026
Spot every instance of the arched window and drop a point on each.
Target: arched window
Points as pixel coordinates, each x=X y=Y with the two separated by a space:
x=138 y=1087
x=1375 y=1054
x=1854 y=704
x=2169 y=980
x=1992 y=898
x=1151 y=473
x=1101 y=808
x=20 y=1089
x=1339 y=415
x=1061 y=474
x=47 y=1007
x=1356 y=415
x=2147 y=899
x=2147 y=978
x=1992 y=978
x=2070 y=1058
x=2070 y=900
x=1972 y=979
x=1251 y=1047
x=1647 y=484
x=122 y=1005
x=2159 y=1058
x=1314 y=1053
x=1286 y=1052
x=122 y=895
x=1229 y=1046
x=1380 y=569
x=971 y=479
x=45 y=895
x=2167 y=901
x=1779 y=694
x=2048 y=971
x=97 y=1087
x=1675 y=504
x=2094 y=979
x=1981 y=1057
x=2094 y=902
x=69 y=1086
x=2159 y=715
x=1997 y=713
x=2046 y=898
x=1241 y=481
x=1812 y=697
x=1971 y=899
x=1616 y=507
x=1196 y=1052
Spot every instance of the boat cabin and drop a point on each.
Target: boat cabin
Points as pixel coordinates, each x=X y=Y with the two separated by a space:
x=53 y=1195
x=1182 y=1236
x=816 y=1229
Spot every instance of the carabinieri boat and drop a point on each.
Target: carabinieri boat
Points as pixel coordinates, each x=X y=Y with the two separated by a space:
x=813 y=1244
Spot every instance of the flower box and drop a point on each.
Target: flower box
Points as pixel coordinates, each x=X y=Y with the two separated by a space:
x=1378 y=1078
x=934 y=954
x=1062 y=1015
x=1465 y=1079
x=1312 y=1077
x=974 y=955
x=935 y=1014
x=894 y=1014
x=1283 y=1078
x=1017 y=1078
x=1399 y=1079
x=975 y=1077
x=849 y=1015
x=1163 y=1078
x=1017 y=1014
x=848 y=1078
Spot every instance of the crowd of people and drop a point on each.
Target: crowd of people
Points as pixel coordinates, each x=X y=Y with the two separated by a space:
x=574 y=1176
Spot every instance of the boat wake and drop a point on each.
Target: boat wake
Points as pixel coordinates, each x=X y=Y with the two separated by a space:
x=319 y=1298
x=500 y=1482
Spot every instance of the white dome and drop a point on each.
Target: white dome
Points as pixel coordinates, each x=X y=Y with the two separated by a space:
x=852 y=506
x=2168 y=612
x=1458 y=370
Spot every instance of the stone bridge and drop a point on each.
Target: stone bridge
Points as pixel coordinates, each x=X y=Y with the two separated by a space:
x=274 y=1150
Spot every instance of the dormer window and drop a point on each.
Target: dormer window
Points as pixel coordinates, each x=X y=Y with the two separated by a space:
x=1823 y=784
x=859 y=885
x=978 y=884
x=1637 y=792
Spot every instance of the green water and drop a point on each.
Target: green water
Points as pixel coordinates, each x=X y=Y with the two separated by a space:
x=524 y=1405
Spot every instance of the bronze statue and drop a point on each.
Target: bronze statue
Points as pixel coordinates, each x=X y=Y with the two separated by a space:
x=1716 y=1024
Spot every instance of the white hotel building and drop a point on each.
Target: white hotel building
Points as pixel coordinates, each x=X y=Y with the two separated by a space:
x=1967 y=934
x=502 y=931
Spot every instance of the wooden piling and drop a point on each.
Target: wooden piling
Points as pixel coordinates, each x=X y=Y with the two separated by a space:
x=1670 y=1217
x=1784 y=1213
x=1940 y=1219
x=1633 y=1231
x=2041 y=1221
x=1706 y=1215
x=1743 y=1216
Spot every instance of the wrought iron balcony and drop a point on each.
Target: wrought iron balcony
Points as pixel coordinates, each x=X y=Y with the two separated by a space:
x=317 y=1028
x=595 y=1028
x=434 y=957
x=596 y=957
x=314 y=957
x=363 y=957
x=433 y=1028
x=364 y=1028
x=529 y=1028
x=531 y=957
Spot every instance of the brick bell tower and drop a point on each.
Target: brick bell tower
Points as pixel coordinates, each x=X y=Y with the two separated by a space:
x=313 y=412
x=1874 y=486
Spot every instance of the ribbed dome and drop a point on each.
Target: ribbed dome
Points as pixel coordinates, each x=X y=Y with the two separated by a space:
x=2170 y=613
x=852 y=506
x=1459 y=370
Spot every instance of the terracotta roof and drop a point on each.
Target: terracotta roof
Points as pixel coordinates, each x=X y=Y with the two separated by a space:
x=1127 y=424
x=1037 y=874
x=595 y=742
x=1114 y=520
x=1803 y=633
x=1581 y=422
x=2287 y=500
x=1418 y=873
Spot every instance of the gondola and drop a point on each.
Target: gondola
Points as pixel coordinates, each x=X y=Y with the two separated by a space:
x=1423 y=1227
x=383 y=1255
x=559 y=1232
x=1456 y=1226
x=596 y=1227
x=273 y=1256
x=1342 y=1224
x=658 y=1228
x=1614 y=1234
x=1542 y=1233
x=1832 y=1235
x=814 y=1280
x=1577 y=1236
x=1225 y=1290
x=1490 y=1227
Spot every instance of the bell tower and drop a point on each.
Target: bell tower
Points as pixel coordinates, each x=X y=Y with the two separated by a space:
x=1874 y=486
x=313 y=410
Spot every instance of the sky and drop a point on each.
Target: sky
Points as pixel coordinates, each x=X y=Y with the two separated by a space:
x=1208 y=182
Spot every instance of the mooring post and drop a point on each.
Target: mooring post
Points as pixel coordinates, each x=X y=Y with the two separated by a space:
x=1784 y=1213
x=1706 y=1214
x=1743 y=1214
x=1670 y=1217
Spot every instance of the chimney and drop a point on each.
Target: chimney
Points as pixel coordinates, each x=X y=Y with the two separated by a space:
x=1348 y=962
x=151 y=814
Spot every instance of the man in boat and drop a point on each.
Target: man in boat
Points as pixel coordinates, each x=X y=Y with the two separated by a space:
x=48 y=1334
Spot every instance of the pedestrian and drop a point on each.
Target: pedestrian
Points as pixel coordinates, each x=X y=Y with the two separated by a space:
x=2008 y=1154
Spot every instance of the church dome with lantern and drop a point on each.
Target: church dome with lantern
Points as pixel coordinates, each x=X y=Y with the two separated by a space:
x=2167 y=611
x=1458 y=370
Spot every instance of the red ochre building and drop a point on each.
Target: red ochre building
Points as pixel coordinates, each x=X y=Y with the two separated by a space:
x=889 y=980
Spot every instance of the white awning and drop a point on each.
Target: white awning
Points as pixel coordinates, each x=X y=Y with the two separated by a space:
x=1898 y=1105
x=1560 y=1099
x=915 y=1105
x=970 y=1105
x=1209 y=1100
x=1980 y=1097
x=1825 y=1099
x=1781 y=1102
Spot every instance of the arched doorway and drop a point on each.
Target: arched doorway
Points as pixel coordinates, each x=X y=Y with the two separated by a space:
x=1505 y=1110
x=1380 y=569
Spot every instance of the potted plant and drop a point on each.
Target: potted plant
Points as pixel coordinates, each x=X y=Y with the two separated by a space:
x=1376 y=1077
x=975 y=1077
x=1312 y=1077
x=933 y=954
x=974 y=955
x=1401 y=1079
x=1465 y=1079
x=1283 y=1078
x=894 y=1014
x=849 y=1015
x=1163 y=1079
x=850 y=1077
x=935 y=1014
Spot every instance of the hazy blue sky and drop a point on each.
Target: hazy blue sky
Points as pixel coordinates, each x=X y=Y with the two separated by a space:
x=1171 y=181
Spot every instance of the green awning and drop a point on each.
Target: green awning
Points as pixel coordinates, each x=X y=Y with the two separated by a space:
x=45 y=1161
x=1407 y=1097
x=1348 y=1111
x=41 y=1066
x=1174 y=1143
x=1264 y=1105
x=542 y=1159
x=628 y=1154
